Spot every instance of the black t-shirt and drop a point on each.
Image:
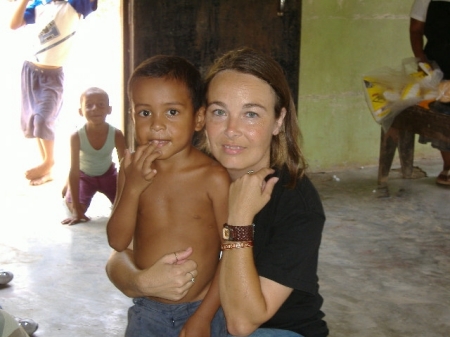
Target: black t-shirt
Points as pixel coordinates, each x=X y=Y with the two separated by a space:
x=288 y=231
x=437 y=31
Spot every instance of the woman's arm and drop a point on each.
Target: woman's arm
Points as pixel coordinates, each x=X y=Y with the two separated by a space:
x=248 y=300
x=168 y=278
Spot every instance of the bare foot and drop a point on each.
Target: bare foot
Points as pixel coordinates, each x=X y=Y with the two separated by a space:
x=38 y=171
x=42 y=180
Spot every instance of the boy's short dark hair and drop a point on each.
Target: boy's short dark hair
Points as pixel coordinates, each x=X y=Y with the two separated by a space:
x=172 y=67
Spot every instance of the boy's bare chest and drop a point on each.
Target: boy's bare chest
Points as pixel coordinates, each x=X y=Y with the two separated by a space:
x=176 y=196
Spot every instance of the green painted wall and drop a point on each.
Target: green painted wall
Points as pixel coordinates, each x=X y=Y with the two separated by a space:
x=340 y=41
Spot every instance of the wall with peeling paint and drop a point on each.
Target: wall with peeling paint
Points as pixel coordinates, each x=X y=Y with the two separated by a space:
x=340 y=41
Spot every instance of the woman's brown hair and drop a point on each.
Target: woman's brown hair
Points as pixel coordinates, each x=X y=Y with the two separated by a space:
x=285 y=149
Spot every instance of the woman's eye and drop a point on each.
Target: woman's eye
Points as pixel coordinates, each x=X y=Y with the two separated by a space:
x=218 y=112
x=251 y=114
x=144 y=113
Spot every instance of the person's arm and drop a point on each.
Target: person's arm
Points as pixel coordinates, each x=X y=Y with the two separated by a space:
x=78 y=211
x=17 y=19
x=248 y=300
x=168 y=278
x=416 y=36
x=120 y=143
x=199 y=324
x=135 y=176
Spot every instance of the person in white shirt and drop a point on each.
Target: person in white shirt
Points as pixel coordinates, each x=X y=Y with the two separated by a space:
x=431 y=19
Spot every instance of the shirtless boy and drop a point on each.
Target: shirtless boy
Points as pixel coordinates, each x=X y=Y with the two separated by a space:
x=171 y=196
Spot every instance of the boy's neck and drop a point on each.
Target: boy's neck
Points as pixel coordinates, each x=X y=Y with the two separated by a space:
x=94 y=126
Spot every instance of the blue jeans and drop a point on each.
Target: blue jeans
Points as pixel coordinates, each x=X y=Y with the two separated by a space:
x=147 y=318
x=272 y=333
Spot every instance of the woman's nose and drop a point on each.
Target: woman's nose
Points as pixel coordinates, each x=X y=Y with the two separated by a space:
x=232 y=128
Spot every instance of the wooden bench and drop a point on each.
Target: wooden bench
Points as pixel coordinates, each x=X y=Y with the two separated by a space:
x=417 y=119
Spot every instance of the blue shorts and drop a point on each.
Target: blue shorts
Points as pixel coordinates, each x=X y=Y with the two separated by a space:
x=42 y=91
x=266 y=332
x=147 y=318
x=106 y=184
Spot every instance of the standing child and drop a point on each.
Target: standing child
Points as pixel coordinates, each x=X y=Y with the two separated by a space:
x=171 y=196
x=55 y=24
x=92 y=169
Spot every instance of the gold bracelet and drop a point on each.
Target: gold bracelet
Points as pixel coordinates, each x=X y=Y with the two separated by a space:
x=239 y=244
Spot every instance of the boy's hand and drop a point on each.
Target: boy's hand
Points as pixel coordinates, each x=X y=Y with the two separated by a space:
x=75 y=219
x=138 y=166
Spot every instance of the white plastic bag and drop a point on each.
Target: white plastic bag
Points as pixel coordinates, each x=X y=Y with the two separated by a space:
x=389 y=91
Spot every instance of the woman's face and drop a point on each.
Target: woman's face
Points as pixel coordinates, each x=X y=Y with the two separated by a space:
x=240 y=121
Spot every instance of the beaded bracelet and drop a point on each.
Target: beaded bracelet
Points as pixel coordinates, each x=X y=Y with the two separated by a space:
x=239 y=244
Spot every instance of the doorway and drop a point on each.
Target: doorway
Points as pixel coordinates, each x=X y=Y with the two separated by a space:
x=96 y=60
x=202 y=30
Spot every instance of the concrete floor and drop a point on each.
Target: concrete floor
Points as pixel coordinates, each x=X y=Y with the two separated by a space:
x=384 y=263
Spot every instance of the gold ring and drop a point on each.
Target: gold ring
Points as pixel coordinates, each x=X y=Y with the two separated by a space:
x=250 y=172
x=193 y=278
x=176 y=257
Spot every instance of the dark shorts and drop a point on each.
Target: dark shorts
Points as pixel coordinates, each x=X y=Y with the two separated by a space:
x=106 y=184
x=147 y=318
x=436 y=143
x=42 y=91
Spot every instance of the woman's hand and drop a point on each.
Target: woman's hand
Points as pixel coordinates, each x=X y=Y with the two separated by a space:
x=248 y=195
x=169 y=278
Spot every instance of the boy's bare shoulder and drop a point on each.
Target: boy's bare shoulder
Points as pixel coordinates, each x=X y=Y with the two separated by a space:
x=74 y=136
x=213 y=170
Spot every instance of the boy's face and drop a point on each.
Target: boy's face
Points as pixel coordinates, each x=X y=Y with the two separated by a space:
x=95 y=107
x=162 y=112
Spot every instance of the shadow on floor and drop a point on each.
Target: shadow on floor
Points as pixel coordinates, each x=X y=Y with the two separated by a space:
x=384 y=262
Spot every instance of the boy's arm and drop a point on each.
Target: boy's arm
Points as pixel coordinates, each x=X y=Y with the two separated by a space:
x=120 y=144
x=17 y=19
x=135 y=176
x=78 y=214
x=121 y=224
x=199 y=323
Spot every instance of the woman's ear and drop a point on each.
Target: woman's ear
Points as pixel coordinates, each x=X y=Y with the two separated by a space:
x=200 y=118
x=279 y=122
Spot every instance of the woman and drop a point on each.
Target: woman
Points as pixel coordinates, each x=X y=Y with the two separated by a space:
x=268 y=283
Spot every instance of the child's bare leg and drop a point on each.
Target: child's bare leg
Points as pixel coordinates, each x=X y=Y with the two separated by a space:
x=42 y=173
x=446 y=158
